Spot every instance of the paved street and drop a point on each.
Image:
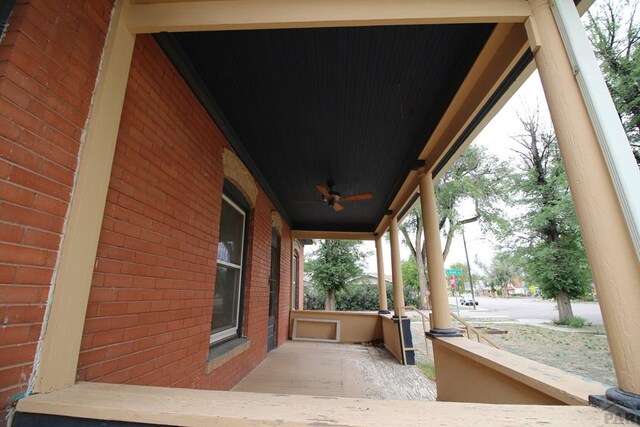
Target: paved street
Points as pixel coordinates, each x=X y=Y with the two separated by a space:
x=526 y=310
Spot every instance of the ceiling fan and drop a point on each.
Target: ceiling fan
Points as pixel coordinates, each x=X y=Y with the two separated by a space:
x=333 y=198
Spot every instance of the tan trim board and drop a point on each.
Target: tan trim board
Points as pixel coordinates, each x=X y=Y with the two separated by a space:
x=501 y=52
x=526 y=73
x=270 y=14
x=297 y=320
x=332 y=235
x=56 y=365
x=568 y=388
x=176 y=406
x=411 y=183
x=499 y=56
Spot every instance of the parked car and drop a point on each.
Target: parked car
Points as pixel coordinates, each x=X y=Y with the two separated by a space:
x=467 y=301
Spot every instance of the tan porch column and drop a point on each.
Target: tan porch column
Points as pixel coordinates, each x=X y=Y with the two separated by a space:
x=396 y=269
x=439 y=297
x=612 y=256
x=382 y=288
x=57 y=357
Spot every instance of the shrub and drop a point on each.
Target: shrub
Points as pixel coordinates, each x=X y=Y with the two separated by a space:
x=357 y=298
x=312 y=299
x=578 y=322
x=574 y=322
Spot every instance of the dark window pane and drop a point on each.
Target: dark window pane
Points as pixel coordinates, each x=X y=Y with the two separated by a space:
x=231 y=228
x=225 y=299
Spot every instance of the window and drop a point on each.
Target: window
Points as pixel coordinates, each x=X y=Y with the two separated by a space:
x=227 y=297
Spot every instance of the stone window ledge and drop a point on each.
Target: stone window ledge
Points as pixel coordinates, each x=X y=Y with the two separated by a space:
x=222 y=353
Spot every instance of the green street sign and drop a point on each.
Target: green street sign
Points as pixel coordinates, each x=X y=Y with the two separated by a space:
x=453 y=272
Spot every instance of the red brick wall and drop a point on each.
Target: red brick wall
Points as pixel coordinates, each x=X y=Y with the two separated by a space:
x=149 y=313
x=49 y=59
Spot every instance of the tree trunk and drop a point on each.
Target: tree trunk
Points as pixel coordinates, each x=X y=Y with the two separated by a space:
x=565 y=312
x=418 y=255
x=330 y=301
x=424 y=287
x=447 y=244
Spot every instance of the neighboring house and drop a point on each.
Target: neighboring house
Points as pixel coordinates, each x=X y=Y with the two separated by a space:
x=520 y=287
x=370 y=279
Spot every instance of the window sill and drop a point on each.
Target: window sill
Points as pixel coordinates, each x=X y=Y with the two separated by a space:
x=222 y=353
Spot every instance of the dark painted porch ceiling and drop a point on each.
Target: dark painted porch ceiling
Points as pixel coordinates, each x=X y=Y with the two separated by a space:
x=355 y=105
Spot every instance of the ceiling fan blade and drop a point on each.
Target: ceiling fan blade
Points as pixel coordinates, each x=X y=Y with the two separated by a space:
x=361 y=196
x=337 y=207
x=307 y=201
x=323 y=190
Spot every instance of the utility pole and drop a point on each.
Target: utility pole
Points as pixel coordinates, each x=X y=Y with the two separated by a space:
x=466 y=254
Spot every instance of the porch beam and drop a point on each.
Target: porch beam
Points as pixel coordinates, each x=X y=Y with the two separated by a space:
x=501 y=53
x=332 y=235
x=174 y=16
x=612 y=256
x=56 y=360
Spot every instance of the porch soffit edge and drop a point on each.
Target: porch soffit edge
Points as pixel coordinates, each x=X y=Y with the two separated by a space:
x=208 y=15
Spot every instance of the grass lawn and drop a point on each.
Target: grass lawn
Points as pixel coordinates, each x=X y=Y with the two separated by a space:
x=584 y=352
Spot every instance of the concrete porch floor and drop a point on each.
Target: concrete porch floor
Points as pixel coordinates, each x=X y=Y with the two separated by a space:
x=337 y=370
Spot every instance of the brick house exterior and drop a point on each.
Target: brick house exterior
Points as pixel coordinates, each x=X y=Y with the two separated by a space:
x=123 y=203
x=149 y=315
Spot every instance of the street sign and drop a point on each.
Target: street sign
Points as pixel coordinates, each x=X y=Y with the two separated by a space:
x=453 y=272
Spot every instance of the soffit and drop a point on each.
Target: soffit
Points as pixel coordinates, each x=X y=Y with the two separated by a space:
x=355 y=105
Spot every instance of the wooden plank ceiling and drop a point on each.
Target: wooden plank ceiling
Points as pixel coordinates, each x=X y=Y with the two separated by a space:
x=355 y=105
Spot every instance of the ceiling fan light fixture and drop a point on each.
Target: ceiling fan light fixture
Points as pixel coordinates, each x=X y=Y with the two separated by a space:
x=332 y=198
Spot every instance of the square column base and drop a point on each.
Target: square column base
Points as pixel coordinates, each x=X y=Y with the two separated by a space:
x=442 y=333
x=617 y=402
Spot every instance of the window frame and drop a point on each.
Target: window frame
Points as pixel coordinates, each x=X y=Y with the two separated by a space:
x=233 y=197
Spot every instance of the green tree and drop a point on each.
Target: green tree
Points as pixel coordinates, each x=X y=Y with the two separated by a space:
x=410 y=274
x=505 y=266
x=475 y=175
x=550 y=242
x=478 y=176
x=333 y=264
x=614 y=30
x=462 y=279
x=411 y=229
